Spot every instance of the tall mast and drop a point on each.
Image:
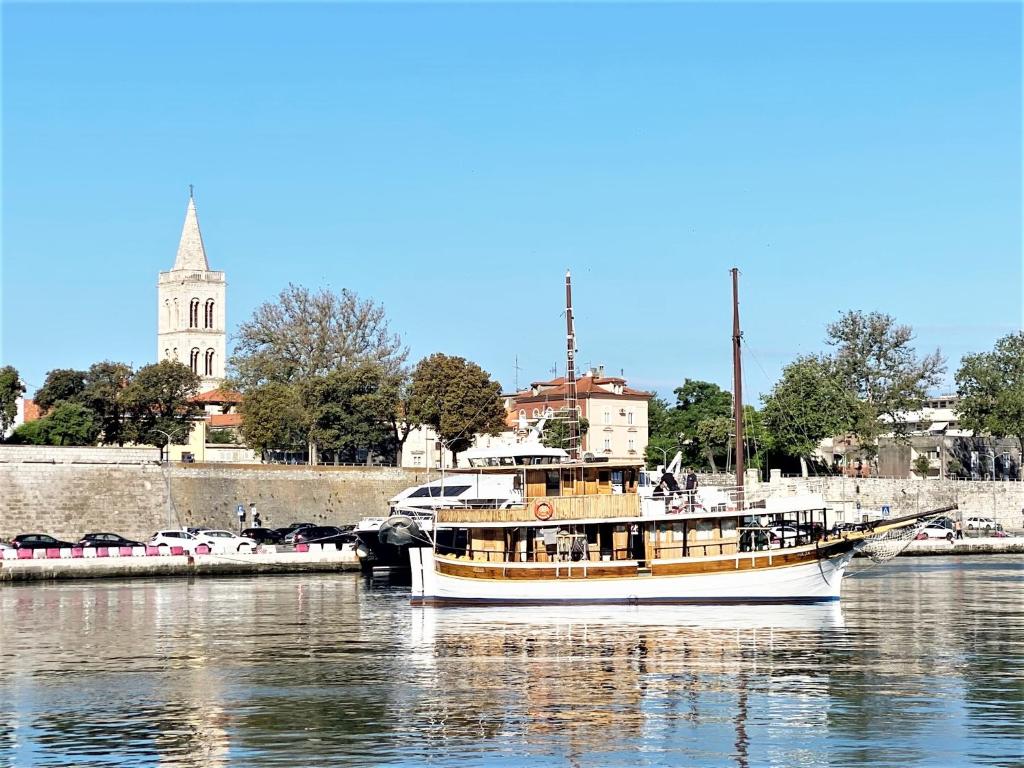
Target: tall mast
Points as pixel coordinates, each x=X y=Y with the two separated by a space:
x=570 y=372
x=737 y=377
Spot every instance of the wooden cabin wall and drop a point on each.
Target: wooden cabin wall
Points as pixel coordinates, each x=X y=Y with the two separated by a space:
x=486 y=540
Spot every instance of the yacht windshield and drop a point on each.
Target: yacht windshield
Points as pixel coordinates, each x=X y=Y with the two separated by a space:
x=439 y=491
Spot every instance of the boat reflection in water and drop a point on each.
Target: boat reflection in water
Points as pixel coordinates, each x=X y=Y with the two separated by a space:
x=674 y=682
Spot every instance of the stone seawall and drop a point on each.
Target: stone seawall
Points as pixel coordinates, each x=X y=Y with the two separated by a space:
x=68 y=492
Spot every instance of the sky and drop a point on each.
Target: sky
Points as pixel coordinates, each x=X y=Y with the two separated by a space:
x=452 y=161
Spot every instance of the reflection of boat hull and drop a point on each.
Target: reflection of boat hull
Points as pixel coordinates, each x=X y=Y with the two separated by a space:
x=442 y=580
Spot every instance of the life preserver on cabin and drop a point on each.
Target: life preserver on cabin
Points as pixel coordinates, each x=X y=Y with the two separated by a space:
x=543 y=511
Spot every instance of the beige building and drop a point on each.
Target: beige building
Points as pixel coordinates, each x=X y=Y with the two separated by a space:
x=191 y=318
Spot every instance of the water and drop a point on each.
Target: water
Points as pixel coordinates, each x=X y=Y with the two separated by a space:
x=922 y=664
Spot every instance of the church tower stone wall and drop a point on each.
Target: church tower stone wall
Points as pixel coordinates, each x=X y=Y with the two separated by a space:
x=191 y=311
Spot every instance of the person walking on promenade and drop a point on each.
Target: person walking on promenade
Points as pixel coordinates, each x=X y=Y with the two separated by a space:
x=958 y=526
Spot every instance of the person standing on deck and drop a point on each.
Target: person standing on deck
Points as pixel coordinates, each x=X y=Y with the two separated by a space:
x=691 y=488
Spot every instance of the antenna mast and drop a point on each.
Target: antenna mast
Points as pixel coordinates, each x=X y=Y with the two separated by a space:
x=573 y=419
x=737 y=379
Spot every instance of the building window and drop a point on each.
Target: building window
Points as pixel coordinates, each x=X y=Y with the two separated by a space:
x=629 y=417
x=208 y=367
x=607 y=444
x=193 y=360
x=607 y=416
x=208 y=314
x=175 y=356
x=167 y=354
x=632 y=446
x=193 y=313
x=177 y=315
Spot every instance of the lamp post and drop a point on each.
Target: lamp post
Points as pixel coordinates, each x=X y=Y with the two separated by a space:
x=664 y=457
x=167 y=464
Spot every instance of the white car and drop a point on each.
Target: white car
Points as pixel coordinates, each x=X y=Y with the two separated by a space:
x=935 y=531
x=183 y=539
x=224 y=542
x=986 y=524
x=785 y=536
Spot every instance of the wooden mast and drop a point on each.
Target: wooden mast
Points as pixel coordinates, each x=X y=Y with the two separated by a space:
x=737 y=378
x=570 y=373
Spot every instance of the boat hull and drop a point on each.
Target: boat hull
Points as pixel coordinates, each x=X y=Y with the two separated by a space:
x=814 y=580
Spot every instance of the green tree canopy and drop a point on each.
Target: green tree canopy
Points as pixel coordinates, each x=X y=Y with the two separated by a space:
x=273 y=418
x=11 y=389
x=875 y=360
x=70 y=424
x=556 y=430
x=305 y=334
x=160 y=399
x=352 y=410
x=457 y=398
x=990 y=386
x=61 y=385
x=809 y=403
x=105 y=383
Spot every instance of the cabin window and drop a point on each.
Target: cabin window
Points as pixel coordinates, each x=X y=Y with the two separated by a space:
x=705 y=528
x=728 y=527
x=551 y=484
x=602 y=477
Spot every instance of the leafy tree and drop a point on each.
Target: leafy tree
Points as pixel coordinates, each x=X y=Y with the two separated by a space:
x=714 y=435
x=922 y=465
x=105 y=383
x=457 y=398
x=698 y=402
x=11 y=389
x=303 y=335
x=70 y=424
x=403 y=419
x=61 y=385
x=31 y=433
x=160 y=398
x=808 y=404
x=556 y=430
x=876 y=361
x=351 y=409
x=273 y=418
x=990 y=386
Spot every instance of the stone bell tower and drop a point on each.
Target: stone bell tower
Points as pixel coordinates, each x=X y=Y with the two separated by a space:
x=190 y=308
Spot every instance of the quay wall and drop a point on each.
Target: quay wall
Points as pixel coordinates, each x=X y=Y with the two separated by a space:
x=67 y=492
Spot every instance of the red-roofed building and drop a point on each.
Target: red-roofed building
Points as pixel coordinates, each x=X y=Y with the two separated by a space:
x=617 y=412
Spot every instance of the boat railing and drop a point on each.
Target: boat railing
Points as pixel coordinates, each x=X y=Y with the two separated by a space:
x=693 y=549
x=558 y=556
x=554 y=508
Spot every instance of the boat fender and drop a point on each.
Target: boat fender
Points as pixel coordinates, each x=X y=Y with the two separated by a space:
x=542 y=510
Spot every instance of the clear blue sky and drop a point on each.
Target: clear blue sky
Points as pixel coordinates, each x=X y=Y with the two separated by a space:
x=451 y=161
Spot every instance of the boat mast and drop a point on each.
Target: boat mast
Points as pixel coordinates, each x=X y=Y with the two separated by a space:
x=570 y=373
x=737 y=378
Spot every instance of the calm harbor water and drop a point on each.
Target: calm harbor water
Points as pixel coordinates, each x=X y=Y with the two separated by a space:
x=922 y=664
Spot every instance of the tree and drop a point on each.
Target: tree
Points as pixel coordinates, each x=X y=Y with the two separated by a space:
x=351 y=410
x=303 y=335
x=403 y=419
x=70 y=424
x=698 y=402
x=556 y=430
x=875 y=360
x=990 y=386
x=922 y=465
x=11 y=389
x=457 y=398
x=61 y=385
x=273 y=418
x=160 y=398
x=808 y=404
x=105 y=383
x=713 y=435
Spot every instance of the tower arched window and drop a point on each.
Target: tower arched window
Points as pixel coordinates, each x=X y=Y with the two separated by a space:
x=167 y=354
x=177 y=315
x=193 y=313
x=193 y=360
x=167 y=313
x=208 y=315
x=209 y=363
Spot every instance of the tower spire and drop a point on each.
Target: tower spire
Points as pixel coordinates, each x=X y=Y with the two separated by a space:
x=191 y=253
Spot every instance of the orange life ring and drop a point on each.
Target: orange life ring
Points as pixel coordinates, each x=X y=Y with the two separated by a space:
x=543 y=511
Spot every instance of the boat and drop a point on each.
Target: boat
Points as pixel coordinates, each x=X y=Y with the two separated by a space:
x=585 y=531
x=383 y=541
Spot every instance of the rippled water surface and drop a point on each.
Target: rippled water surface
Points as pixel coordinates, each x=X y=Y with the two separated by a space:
x=922 y=664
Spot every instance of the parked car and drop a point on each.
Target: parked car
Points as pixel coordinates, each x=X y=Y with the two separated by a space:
x=324 y=534
x=786 y=536
x=39 y=541
x=177 y=538
x=223 y=542
x=289 y=533
x=986 y=524
x=264 y=535
x=936 y=530
x=107 y=540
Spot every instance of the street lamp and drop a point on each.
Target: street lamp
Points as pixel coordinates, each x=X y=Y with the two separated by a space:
x=167 y=475
x=664 y=456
